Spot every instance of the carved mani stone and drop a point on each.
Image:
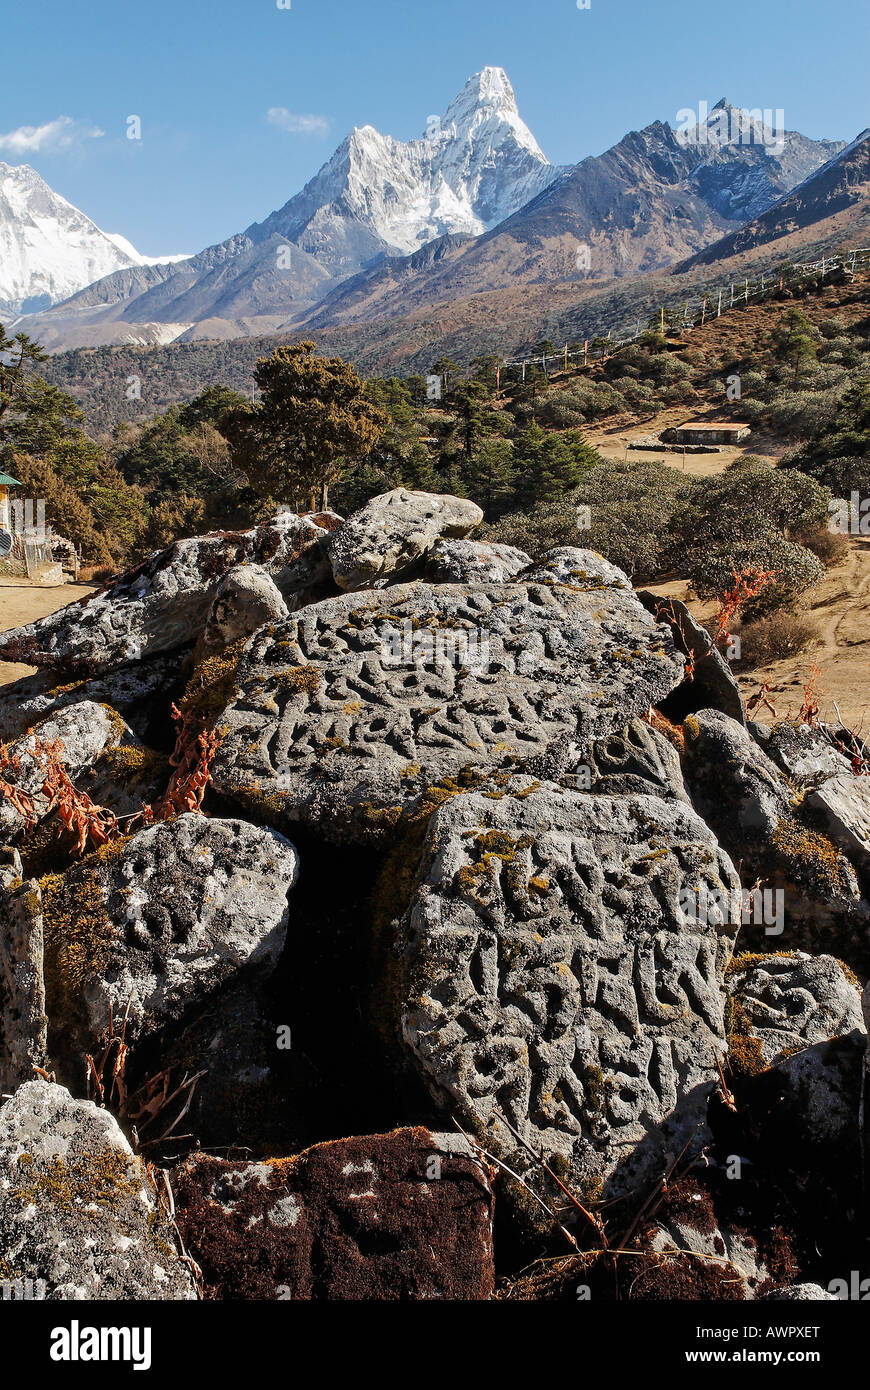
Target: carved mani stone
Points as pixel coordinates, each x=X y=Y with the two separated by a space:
x=556 y=972
x=346 y=712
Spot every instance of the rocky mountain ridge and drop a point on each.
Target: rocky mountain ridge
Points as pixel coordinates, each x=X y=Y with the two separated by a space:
x=473 y=206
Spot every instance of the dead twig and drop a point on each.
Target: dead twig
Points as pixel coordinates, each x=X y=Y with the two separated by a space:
x=594 y=1221
x=522 y=1182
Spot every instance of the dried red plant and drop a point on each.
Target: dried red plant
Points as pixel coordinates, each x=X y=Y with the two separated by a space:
x=79 y=814
x=761 y=698
x=748 y=584
x=191 y=758
x=21 y=800
x=809 y=710
x=93 y=825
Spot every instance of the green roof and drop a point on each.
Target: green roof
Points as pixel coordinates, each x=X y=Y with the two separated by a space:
x=6 y=481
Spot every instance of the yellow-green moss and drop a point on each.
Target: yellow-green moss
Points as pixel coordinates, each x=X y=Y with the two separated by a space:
x=745 y=1057
x=134 y=766
x=213 y=685
x=298 y=679
x=78 y=930
x=101 y=1179
x=747 y=960
x=849 y=973
x=594 y=1091
x=117 y=723
x=812 y=857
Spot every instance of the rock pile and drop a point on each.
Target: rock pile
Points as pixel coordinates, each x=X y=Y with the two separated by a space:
x=549 y=909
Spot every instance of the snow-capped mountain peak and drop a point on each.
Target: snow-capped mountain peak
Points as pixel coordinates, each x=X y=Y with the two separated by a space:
x=487 y=107
x=49 y=249
x=377 y=195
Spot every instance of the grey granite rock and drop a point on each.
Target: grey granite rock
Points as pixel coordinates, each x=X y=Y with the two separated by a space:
x=245 y=600
x=762 y=822
x=806 y=755
x=155 y=928
x=843 y=806
x=576 y=568
x=798 y=1293
x=795 y=1001
x=805 y=1013
x=162 y=604
x=553 y=974
x=392 y=533
x=474 y=562
x=82 y=733
x=133 y=692
x=732 y=781
x=635 y=759
x=23 y=1019
x=77 y=1208
x=712 y=685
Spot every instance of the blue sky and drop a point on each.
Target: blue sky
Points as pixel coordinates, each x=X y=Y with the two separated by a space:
x=203 y=76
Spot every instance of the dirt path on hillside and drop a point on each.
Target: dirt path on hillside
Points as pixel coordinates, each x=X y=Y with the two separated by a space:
x=22 y=602
x=839 y=609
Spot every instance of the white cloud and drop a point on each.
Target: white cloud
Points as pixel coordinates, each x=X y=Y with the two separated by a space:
x=297 y=125
x=59 y=134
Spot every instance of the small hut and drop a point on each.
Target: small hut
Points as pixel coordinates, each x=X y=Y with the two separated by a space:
x=5 y=508
x=708 y=432
x=26 y=543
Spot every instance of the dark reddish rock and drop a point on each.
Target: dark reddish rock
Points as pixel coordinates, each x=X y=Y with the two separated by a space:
x=406 y=1215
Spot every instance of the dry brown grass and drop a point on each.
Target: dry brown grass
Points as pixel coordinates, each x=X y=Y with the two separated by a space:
x=775 y=638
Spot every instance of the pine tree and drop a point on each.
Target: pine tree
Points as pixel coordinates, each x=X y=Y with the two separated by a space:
x=312 y=420
x=490 y=477
x=794 y=341
x=548 y=465
x=470 y=398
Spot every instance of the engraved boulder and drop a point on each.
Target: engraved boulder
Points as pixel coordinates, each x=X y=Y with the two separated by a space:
x=563 y=971
x=357 y=711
